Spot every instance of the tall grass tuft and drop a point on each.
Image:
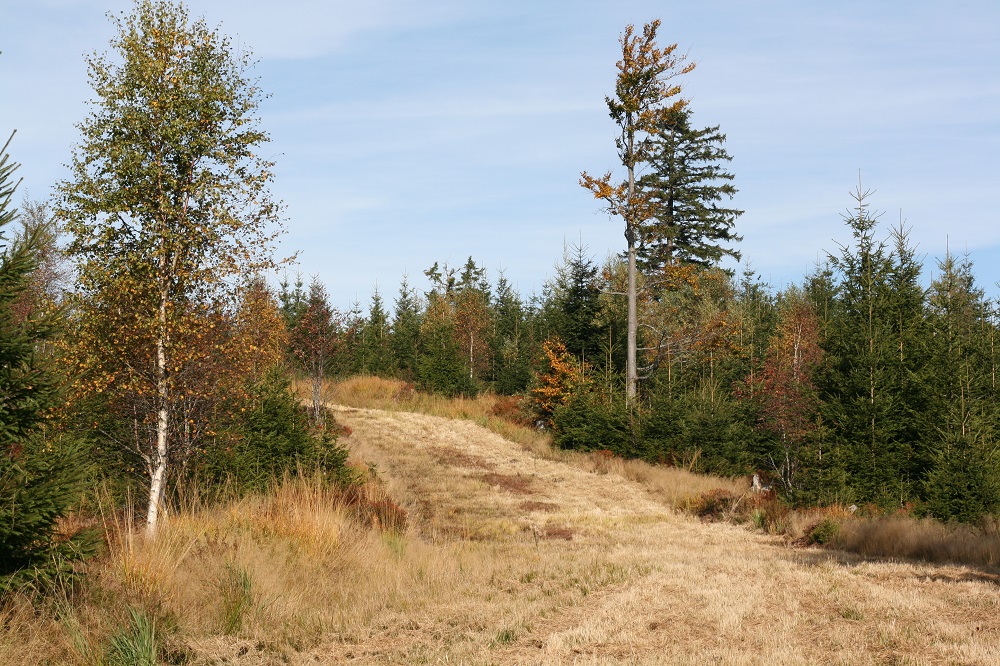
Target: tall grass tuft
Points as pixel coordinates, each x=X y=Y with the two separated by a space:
x=922 y=539
x=237 y=599
x=136 y=643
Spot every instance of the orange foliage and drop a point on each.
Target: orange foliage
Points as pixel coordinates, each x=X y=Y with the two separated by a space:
x=564 y=375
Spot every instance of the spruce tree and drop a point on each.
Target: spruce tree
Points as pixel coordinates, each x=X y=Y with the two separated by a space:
x=863 y=387
x=40 y=478
x=376 y=340
x=961 y=418
x=441 y=359
x=406 y=330
x=574 y=307
x=687 y=184
x=293 y=299
x=511 y=340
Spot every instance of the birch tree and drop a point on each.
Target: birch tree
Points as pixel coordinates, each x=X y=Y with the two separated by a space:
x=168 y=204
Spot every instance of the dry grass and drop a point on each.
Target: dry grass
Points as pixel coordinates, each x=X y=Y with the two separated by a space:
x=500 y=414
x=677 y=487
x=593 y=568
x=928 y=540
x=475 y=549
x=504 y=416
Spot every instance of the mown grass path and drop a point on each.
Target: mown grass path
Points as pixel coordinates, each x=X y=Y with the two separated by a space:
x=527 y=559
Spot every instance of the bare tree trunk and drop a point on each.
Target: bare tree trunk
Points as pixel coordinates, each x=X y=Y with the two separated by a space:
x=631 y=372
x=317 y=399
x=319 y=412
x=631 y=232
x=159 y=460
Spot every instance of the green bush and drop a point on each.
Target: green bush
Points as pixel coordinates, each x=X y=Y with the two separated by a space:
x=272 y=437
x=962 y=485
x=823 y=532
x=38 y=486
x=589 y=423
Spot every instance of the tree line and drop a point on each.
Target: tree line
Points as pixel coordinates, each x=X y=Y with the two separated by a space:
x=859 y=385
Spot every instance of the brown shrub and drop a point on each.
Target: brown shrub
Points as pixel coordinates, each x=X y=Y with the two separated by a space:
x=925 y=539
x=512 y=409
x=715 y=504
x=370 y=504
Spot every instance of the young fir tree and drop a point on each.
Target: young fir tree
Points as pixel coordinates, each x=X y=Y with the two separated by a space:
x=511 y=340
x=961 y=418
x=406 y=330
x=441 y=360
x=376 y=340
x=293 y=298
x=574 y=307
x=39 y=479
x=686 y=186
x=863 y=387
x=910 y=372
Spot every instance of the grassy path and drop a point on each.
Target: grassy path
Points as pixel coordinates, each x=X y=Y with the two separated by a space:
x=519 y=558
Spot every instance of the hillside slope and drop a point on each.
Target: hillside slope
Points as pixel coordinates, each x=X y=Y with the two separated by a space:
x=523 y=559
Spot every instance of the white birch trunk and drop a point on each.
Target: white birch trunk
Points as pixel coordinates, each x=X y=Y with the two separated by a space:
x=159 y=461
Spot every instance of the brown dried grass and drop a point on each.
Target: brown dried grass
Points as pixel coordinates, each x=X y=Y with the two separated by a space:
x=905 y=537
x=430 y=564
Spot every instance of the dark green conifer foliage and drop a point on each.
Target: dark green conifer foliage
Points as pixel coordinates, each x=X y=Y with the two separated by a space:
x=40 y=478
x=511 y=342
x=574 y=308
x=961 y=417
x=687 y=184
x=823 y=292
x=963 y=484
x=406 y=330
x=271 y=439
x=864 y=386
x=907 y=311
x=590 y=423
x=377 y=340
x=353 y=359
x=293 y=300
x=755 y=314
x=441 y=359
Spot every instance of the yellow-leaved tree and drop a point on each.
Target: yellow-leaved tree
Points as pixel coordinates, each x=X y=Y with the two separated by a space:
x=645 y=97
x=169 y=209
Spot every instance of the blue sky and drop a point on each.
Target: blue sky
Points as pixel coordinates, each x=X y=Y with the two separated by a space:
x=412 y=132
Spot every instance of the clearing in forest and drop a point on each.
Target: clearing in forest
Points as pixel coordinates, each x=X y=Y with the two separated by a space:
x=516 y=557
